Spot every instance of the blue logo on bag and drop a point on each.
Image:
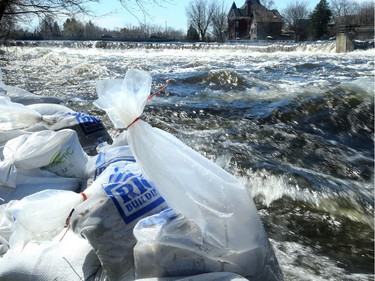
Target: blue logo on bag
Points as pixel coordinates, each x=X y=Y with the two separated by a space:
x=89 y=124
x=132 y=195
x=102 y=163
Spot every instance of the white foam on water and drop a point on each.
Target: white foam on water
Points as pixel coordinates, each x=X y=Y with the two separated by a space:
x=300 y=262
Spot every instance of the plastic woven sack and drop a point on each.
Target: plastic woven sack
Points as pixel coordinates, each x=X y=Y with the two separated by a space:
x=117 y=200
x=190 y=183
x=58 y=152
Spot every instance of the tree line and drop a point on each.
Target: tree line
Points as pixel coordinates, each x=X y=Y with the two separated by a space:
x=316 y=23
x=207 y=20
x=73 y=29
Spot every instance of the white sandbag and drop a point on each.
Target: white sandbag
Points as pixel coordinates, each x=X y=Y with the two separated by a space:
x=91 y=130
x=31 y=181
x=117 y=200
x=190 y=183
x=17 y=119
x=49 y=109
x=6 y=226
x=97 y=164
x=72 y=259
x=36 y=117
x=58 y=152
x=16 y=116
x=40 y=216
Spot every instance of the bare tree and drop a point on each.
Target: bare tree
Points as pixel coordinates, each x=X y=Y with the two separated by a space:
x=220 y=21
x=295 y=14
x=344 y=10
x=199 y=14
x=366 y=13
x=18 y=9
x=269 y=4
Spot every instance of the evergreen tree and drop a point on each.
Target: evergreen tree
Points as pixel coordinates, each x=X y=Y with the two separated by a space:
x=192 y=34
x=73 y=29
x=320 y=18
x=56 y=31
x=45 y=27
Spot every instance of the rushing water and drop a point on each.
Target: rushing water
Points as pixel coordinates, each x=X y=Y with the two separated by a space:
x=294 y=122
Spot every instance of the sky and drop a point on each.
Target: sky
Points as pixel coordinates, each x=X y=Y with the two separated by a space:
x=170 y=14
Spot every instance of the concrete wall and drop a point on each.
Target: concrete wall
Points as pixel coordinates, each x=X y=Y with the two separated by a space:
x=344 y=42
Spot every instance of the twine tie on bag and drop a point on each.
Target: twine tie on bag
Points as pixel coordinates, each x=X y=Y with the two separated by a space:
x=148 y=98
x=67 y=222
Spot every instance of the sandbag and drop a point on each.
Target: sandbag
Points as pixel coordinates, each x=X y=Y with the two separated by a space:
x=191 y=184
x=91 y=130
x=162 y=251
x=40 y=216
x=16 y=116
x=58 y=152
x=97 y=164
x=30 y=181
x=116 y=201
x=17 y=119
x=72 y=259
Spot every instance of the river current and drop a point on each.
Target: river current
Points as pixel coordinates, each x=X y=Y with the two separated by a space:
x=294 y=122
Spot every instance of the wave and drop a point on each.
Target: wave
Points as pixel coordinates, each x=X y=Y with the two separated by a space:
x=262 y=47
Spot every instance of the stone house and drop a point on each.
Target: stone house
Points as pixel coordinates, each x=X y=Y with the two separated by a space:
x=253 y=21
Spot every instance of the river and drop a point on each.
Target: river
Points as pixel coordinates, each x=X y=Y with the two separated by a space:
x=294 y=122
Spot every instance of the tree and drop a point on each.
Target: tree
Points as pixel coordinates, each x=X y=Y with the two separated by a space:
x=17 y=10
x=46 y=27
x=42 y=8
x=192 y=34
x=56 y=31
x=344 y=10
x=220 y=21
x=366 y=13
x=320 y=18
x=269 y=4
x=92 y=31
x=199 y=14
x=295 y=15
x=73 y=29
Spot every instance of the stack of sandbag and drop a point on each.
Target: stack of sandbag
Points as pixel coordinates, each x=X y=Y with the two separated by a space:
x=216 y=226
x=40 y=160
x=147 y=205
x=17 y=119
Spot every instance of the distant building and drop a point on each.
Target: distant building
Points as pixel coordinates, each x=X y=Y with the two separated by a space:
x=253 y=21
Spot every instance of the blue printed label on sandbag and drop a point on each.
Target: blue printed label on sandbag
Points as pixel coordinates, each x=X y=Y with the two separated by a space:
x=88 y=123
x=106 y=158
x=133 y=195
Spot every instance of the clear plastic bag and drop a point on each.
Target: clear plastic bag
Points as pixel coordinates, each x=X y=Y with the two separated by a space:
x=40 y=216
x=16 y=116
x=191 y=184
